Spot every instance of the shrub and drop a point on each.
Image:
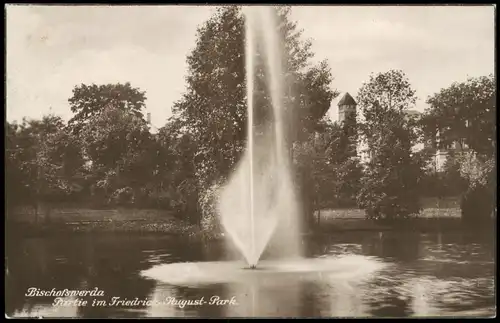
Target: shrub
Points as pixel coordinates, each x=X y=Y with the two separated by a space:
x=210 y=218
x=122 y=196
x=478 y=202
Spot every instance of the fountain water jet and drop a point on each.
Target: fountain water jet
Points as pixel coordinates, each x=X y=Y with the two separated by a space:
x=260 y=192
x=259 y=201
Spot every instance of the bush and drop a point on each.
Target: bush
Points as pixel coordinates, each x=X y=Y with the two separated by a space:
x=184 y=200
x=122 y=196
x=478 y=202
x=210 y=217
x=477 y=205
x=390 y=191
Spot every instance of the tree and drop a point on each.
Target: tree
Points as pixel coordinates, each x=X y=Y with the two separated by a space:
x=390 y=184
x=119 y=146
x=345 y=159
x=121 y=153
x=214 y=109
x=349 y=174
x=316 y=172
x=465 y=113
x=43 y=159
x=328 y=168
x=448 y=183
x=89 y=100
x=478 y=201
x=177 y=170
x=15 y=178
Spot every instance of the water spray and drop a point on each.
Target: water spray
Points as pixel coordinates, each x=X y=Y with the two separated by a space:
x=259 y=192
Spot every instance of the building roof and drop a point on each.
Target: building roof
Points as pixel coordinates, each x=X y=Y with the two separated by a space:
x=346 y=100
x=412 y=112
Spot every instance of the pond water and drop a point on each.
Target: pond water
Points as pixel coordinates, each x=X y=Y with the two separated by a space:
x=448 y=274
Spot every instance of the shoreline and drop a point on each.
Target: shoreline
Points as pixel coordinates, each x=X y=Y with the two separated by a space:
x=180 y=228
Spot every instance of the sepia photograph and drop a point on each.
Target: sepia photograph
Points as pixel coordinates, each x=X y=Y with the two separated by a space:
x=250 y=161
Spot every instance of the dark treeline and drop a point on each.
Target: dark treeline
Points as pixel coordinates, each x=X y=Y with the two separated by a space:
x=107 y=155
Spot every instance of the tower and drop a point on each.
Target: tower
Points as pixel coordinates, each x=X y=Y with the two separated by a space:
x=347 y=108
x=347 y=152
x=347 y=120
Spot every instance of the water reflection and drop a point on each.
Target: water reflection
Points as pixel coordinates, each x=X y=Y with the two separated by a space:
x=42 y=310
x=265 y=298
x=158 y=310
x=345 y=300
x=427 y=275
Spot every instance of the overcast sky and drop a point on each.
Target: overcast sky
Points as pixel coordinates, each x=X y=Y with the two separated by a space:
x=50 y=49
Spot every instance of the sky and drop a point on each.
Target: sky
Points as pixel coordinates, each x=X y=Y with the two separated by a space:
x=50 y=49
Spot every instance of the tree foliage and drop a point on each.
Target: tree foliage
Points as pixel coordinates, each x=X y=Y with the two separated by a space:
x=214 y=110
x=316 y=172
x=43 y=162
x=177 y=170
x=479 y=200
x=328 y=167
x=390 y=184
x=107 y=154
x=90 y=100
x=465 y=112
x=385 y=93
x=450 y=182
x=119 y=147
x=122 y=162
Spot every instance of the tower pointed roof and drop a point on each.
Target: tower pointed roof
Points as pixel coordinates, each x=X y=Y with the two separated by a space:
x=347 y=100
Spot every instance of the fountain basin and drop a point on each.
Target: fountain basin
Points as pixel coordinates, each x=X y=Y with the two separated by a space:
x=220 y=272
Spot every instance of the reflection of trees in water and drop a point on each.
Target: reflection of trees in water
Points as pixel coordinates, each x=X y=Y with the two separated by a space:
x=111 y=263
x=116 y=265
x=457 y=294
x=454 y=272
x=336 y=296
x=486 y=238
x=433 y=296
x=159 y=294
x=398 y=297
x=216 y=250
x=309 y=300
x=401 y=292
x=185 y=293
x=461 y=255
x=347 y=300
x=267 y=296
x=39 y=263
x=401 y=246
x=423 y=303
x=384 y=298
x=43 y=311
x=315 y=245
x=81 y=263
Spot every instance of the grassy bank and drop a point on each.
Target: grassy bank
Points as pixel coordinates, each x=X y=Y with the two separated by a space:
x=150 y=223
x=82 y=220
x=418 y=224
x=140 y=226
x=430 y=219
